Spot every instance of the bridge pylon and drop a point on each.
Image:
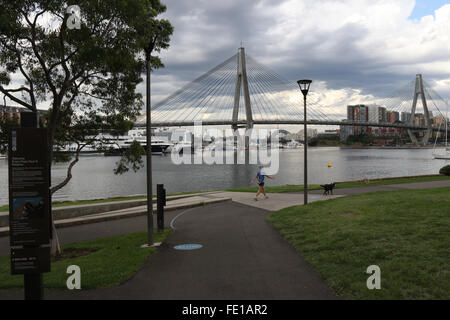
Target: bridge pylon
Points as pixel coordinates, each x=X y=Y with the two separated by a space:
x=241 y=80
x=419 y=90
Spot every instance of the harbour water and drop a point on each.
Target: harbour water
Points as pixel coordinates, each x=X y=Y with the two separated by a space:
x=93 y=176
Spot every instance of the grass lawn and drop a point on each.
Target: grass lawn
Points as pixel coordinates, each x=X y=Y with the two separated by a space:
x=406 y=233
x=116 y=260
x=351 y=184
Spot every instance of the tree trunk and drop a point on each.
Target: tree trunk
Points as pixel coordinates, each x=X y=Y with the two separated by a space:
x=68 y=176
x=56 y=247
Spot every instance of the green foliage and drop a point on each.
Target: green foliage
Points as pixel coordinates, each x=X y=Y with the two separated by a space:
x=88 y=75
x=366 y=139
x=6 y=124
x=132 y=157
x=445 y=170
x=362 y=138
x=331 y=140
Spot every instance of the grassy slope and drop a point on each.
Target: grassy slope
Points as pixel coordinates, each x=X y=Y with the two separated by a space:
x=406 y=233
x=353 y=184
x=117 y=260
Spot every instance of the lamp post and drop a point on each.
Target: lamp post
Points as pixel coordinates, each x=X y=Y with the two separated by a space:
x=149 y=153
x=304 y=87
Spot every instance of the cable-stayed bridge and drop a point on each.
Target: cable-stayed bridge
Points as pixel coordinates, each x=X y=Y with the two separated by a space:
x=242 y=92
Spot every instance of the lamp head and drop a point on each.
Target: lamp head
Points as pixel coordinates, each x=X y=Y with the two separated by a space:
x=304 y=86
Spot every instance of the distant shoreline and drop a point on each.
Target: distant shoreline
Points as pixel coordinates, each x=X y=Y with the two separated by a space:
x=384 y=147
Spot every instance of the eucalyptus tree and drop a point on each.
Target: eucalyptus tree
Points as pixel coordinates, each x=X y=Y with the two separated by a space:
x=84 y=59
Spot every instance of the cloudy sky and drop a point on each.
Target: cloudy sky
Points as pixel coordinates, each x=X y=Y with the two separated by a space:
x=354 y=50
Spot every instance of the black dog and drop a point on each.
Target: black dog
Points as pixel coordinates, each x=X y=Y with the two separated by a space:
x=327 y=188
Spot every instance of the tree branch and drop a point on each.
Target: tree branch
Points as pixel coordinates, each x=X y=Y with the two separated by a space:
x=13 y=98
x=69 y=172
x=37 y=54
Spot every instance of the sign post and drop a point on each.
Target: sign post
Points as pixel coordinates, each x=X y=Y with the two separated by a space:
x=29 y=207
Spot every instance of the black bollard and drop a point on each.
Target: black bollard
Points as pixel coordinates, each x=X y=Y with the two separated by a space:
x=160 y=203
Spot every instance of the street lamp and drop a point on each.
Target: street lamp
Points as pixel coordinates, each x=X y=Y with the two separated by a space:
x=304 y=88
x=149 y=150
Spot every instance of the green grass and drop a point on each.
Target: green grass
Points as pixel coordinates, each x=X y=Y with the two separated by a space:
x=406 y=233
x=350 y=184
x=276 y=189
x=117 y=260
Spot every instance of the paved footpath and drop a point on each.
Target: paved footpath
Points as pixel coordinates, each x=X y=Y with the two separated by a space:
x=243 y=257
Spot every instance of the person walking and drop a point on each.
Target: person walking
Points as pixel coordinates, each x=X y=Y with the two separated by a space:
x=260 y=176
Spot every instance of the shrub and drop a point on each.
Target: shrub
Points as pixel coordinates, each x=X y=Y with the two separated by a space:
x=445 y=170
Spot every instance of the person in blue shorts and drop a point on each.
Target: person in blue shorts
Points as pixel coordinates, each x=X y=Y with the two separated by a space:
x=260 y=176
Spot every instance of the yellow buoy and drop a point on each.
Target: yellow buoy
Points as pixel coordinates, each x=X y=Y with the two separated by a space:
x=329 y=164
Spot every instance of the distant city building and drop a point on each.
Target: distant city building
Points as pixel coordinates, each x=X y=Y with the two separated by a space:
x=382 y=114
x=13 y=112
x=370 y=114
x=358 y=113
x=419 y=120
x=438 y=122
x=330 y=133
x=376 y=114
x=345 y=132
x=311 y=134
x=405 y=117
x=392 y=116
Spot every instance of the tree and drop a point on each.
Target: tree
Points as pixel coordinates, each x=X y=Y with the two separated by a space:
x=6 y=123
x=86 y=66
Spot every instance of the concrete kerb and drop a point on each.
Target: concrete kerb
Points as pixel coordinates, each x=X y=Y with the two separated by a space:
x=116 y=215
x=68 y=212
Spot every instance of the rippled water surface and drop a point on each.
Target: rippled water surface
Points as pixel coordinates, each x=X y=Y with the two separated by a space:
x=93 y=176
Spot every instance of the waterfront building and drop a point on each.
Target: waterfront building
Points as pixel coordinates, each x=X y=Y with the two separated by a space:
x=345 y=132
x=419 y=119
x=358 y=113
x=330 y=133
x=311 y=134
x=376 y=113
x=392 y=116
x=13 y=112
x=405 y=117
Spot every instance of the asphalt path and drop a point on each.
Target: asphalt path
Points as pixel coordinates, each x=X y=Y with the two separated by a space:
x=242 y=257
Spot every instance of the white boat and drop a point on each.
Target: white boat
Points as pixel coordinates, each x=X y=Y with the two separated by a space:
x=293 y=145
x=442 y=157
x=446 y=154
x=115 y=146
x=158 y=146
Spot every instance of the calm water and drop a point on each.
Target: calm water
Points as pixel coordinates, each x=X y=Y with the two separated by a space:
x=93 y=177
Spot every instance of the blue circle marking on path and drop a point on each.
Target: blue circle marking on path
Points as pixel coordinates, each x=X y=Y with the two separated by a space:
x=188 y=247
